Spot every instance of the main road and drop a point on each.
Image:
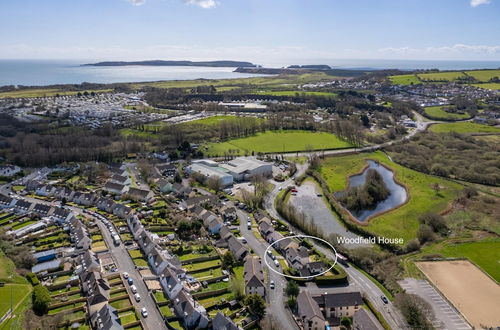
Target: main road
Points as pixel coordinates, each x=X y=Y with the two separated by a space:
x=364 y=284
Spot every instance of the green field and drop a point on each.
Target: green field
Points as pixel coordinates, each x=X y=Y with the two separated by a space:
x=214 y=120
x=484 y=75
x=405 y=79
x=448 y=76
x=494 y=86
x=239 y=82
x=296 y=93
x=403 y=221
x=19 y=293
x=464 y=127
x=439 y=113
x=278 y=141
x=8 y=271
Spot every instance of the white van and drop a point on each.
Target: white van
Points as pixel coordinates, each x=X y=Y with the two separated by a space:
x=133 y=288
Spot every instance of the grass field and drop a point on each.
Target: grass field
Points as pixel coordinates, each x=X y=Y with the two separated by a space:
x=278 y=141
x=19 y=293
x=448 y=76
x=403 y=221
x=439 y=113
x=214 y=120
x=465 y=127
x=238 y=82
x=405 y=79
x=484 y=75
x=494 y=86
x=8 y=271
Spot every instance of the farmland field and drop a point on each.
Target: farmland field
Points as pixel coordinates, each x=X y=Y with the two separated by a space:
x=439 y=113
x=19 y=292
x=473 y=293
x=405 y=79
x=465 y=127
x=448 y=76
x=494 y=86
x=484 y=75
x=278 y=141
x=403 y=221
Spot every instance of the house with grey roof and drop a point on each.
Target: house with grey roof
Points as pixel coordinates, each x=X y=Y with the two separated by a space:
x=106 y=319
x=309 y=312
x=254 y=276
x=140 y=194
x=115 y=188
x=193 y=314
x=238 y=250
x=222 y=322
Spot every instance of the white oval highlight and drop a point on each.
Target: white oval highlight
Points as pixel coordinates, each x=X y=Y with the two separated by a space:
x=271 y=267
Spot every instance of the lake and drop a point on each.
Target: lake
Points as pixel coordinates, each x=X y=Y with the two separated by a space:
x=41 y=73
x=397 y=197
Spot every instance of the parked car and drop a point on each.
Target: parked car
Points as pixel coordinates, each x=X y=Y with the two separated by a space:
x=133 y=288
x=137 y=297
x=130 y=281
x=271 y=285
x=249 y=225
x=144 y=312
x=276 y=263
x=384 y=299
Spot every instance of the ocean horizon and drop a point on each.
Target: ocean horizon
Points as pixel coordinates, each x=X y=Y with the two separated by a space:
x=52 y=72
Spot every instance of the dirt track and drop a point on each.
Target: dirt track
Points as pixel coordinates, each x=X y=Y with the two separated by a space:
x=471 y=291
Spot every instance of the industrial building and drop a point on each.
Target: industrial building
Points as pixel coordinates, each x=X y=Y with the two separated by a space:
x=238 y=169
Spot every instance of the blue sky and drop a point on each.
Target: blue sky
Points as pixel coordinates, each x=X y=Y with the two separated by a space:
x=262 y=31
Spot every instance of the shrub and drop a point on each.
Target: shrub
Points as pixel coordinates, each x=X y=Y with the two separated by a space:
x=41 y=299
x=425 y=234
x=33 y=279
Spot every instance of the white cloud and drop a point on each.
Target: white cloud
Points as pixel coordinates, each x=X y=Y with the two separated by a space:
x=453 y=51
x=137 y=2
x=475 y=3
x=203 y=3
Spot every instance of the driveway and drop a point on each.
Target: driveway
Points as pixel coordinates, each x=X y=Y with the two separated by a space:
x=445 y=315
x=308 y=202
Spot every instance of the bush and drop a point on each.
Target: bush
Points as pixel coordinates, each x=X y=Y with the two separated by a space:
x=33 y=279
x=41 y=299
x=435 y=221
x=425 y=234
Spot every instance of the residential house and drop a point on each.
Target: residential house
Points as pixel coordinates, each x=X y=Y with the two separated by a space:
x=115 y=188
x=254 y=276
x=238 y=250
x=140 y=194
x=9 y=170
x=42 y=210
x=22 y=206
x=364 y=320
x=121 y=211
x=106 y=319
x=312 y=268
x=171 y=282
x=309 y=312
x=337 y=305
x=120 y=179
x=222 y=322
x=105 y=204
x=225 y=232
x=96 y=288
x=62 y=214
x=193 y=314
x=7 y=202
x=229 y=214
x=79 y=235
x=297 y=257
x=165 y=186
x=44 y=190
x=90 y=262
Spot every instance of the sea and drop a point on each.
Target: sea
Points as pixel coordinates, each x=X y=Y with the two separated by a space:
x=50 y=72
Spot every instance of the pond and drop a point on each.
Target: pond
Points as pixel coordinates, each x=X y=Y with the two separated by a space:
x=397 y=197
